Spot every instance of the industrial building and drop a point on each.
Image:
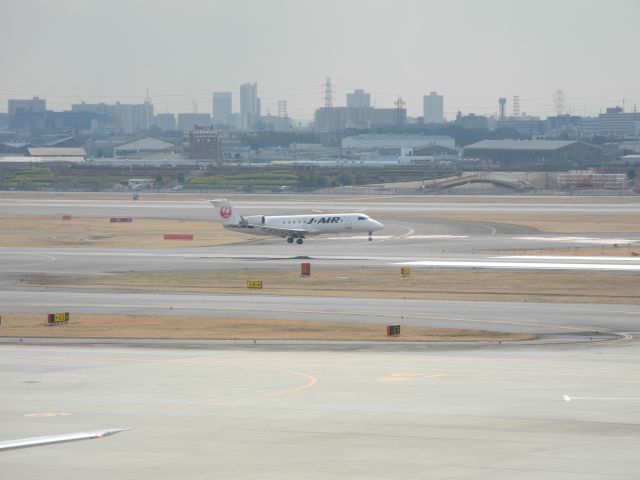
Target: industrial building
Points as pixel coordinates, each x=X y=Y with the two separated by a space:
x=143 y=148
x=373 y=141
x=205 y=143
x=592 y=178
x=533 y=153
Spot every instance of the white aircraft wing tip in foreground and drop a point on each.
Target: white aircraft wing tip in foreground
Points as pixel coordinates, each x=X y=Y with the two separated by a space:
x=60 y=438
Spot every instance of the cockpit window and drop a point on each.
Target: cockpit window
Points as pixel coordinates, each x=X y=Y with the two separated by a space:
x=362 y=218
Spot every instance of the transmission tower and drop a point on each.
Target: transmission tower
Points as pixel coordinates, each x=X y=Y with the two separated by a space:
x=516 y=106
x=328 y=94
x=282 y=109
x=559 y=102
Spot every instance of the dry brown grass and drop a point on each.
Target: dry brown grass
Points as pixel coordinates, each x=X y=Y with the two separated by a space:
x=46 y=231
x=24 y=231
x=549 y=222
x=609 y=251
x=307 y=197
x=432 y=284
x=220 y=328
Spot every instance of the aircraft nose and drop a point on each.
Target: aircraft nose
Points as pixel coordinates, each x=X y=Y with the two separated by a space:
x=377 y=225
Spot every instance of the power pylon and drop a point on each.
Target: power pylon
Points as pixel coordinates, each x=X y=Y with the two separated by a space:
x=328 y=93
x=558 y=102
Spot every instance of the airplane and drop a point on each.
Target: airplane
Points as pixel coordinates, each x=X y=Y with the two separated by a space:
x=293 y=227
x=61 y=438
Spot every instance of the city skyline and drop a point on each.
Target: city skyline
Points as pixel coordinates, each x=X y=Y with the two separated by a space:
x=473 y=56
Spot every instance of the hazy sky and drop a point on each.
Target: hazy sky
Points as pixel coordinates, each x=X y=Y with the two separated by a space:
x=470 y=51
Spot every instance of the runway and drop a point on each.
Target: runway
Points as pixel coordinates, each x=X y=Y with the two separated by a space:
x=200 y=209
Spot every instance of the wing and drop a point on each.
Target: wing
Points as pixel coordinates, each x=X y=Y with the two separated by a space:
x=49 y=439
x=282 y=232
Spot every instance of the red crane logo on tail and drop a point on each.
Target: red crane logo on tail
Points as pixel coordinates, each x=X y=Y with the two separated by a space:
x=225 y=212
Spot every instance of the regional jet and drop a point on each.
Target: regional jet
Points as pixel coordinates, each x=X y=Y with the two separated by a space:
x=293 y=227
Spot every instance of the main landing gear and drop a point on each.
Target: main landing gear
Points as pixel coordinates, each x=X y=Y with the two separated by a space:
x=298 y=240
x=370 y=238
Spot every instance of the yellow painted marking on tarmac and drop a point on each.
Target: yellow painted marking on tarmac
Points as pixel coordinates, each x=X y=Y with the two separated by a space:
x=311 y=381
x=47 y=414
x=403 y=377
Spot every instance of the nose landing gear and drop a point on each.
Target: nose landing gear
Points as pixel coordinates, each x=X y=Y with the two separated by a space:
x=370 y=238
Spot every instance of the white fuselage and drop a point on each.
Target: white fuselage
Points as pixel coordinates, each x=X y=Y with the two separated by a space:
x=313 y=224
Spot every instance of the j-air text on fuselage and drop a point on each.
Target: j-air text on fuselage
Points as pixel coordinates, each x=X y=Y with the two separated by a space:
x=293 y=227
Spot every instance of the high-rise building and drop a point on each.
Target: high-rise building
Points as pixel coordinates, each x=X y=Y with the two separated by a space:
x=222 y=108
x=133 y=118
x=335 y=119
x=249 y=98
x=358 y=99
x=28 y=115
x=34 y=105
x=124 y=118
x=433 y=108
x=187 y=121
x=166 y=121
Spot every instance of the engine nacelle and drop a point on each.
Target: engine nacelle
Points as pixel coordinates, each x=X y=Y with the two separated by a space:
x=254 y=219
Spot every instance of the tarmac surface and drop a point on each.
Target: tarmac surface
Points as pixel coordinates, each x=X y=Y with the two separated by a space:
x=566 y=406
x=554 y=412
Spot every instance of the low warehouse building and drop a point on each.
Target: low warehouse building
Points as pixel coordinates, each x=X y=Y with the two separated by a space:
x=534 y=153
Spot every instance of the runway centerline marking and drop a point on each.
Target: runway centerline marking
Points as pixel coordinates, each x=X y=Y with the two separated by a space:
x=568 y=398
x=47 y=414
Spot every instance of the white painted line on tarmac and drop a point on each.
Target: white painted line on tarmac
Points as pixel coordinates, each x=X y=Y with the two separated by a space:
x=573 y=257
x=436 y=237
x=568 y=398
x=599 y=241
x=522 y=265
